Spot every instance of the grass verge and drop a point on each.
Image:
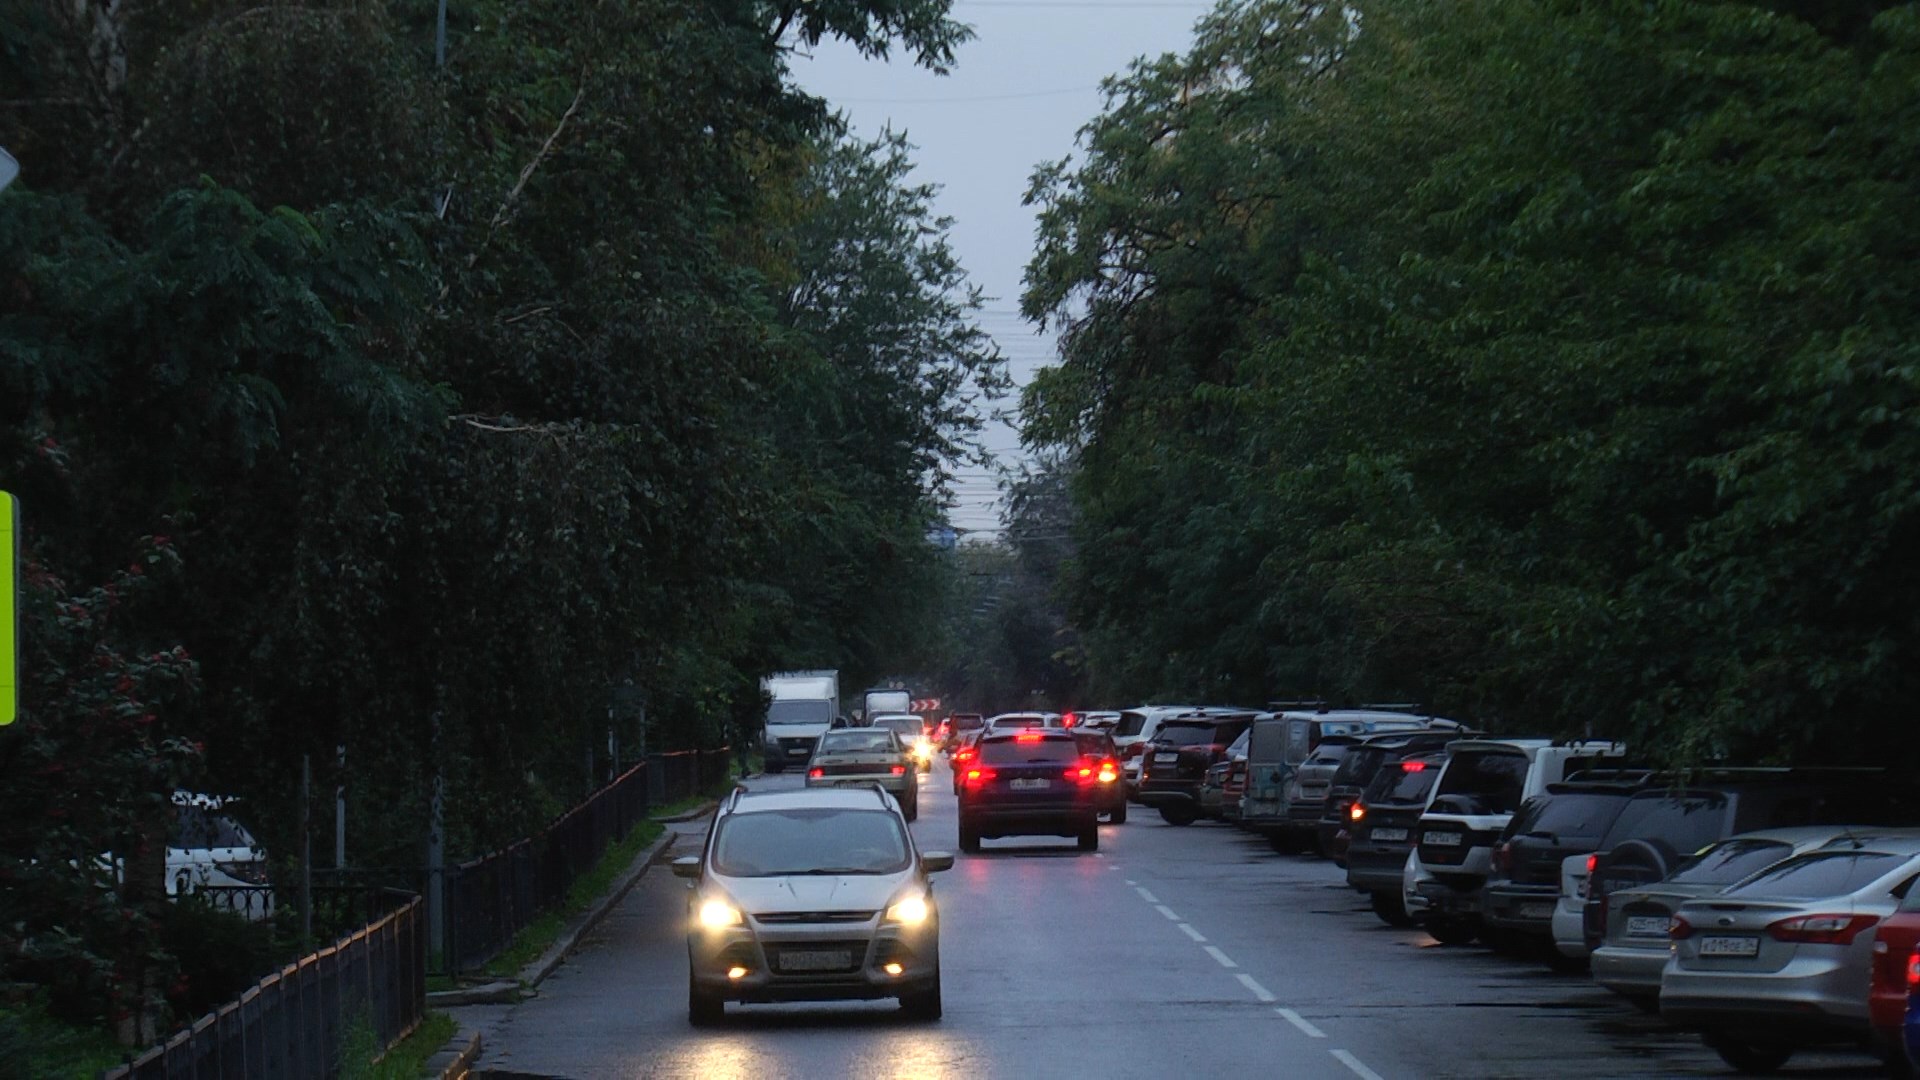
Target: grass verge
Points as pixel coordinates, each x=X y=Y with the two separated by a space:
x=407 y=1060
x=35 y=1043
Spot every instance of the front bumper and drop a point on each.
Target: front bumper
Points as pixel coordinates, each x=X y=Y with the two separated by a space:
x=766 y=951
x=1157 y=793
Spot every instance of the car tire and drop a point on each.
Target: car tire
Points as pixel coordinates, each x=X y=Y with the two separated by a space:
x=1560 y=962
x=924 y=1004
x=1178 y=815
x=1119 y=814
x=1756 y=1058
x=911 y=811
x=1090 y=836
x=1452 y=931
x=704 y=1008
x=969 y=840
x=1392 y=908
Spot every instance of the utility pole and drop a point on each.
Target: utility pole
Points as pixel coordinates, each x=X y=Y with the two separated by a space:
x=340 y=807
x=440 y=37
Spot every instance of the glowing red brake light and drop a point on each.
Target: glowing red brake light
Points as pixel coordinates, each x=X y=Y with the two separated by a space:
x=816 y=773
x=1357 y=811
x=1821 y=929
x=1109 y=771
x=1592 y=861
x=1413 y=766
x=1028 y=736
x=1913 y=971
x=1679 y=929
x=899 y=770
x=976 y=777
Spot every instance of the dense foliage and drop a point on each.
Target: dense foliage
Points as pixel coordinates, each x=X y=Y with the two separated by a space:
x=459 y=417
x=1551 y=363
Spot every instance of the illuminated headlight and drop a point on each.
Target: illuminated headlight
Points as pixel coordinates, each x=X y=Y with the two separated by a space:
x=923 y=750
x=718 y=914
x=910 y=912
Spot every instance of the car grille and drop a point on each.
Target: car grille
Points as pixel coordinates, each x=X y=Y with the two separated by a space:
x=786 y=918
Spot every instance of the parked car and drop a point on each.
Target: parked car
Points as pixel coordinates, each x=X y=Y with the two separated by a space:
x=1782 y=960
x=1182 y=752
x=211 y=853
x=760 y=929
x=1633 y=948
x=1215 y=801
x=1361 y=764
x=1029 y=783
x=1381 y=828
x=1483 y=784
x=1101 y=720
x=859 y=757
x=1136 y=729
x=1098 y=753
x=1308 y=791
x=1281 y=742
x=1568 y=820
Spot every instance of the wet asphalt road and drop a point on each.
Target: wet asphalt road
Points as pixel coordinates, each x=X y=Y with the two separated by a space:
x=1173 y=952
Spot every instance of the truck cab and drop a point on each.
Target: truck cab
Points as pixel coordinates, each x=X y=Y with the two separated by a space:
x=801 y=707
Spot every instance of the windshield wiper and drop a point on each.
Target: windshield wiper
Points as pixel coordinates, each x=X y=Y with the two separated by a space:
x=826 y=871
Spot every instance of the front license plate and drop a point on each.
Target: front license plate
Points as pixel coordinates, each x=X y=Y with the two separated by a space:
x=1166 y=759
x=815 y=960
x=1389 y=835
x=1536 y=911
x=1729 y=946
x=1442 y=839
x=1029 y=785
x=1647 y=925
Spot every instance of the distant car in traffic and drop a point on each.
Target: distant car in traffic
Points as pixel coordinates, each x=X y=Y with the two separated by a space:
x=1029 y=783
x=912 y=730
x=1097 y=749
x=814 y=895
x=957 y=726
x=1011 y=721
x=1175 y=766
x=859 y=757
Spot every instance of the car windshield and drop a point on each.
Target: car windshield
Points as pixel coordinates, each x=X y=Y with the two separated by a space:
x=1724 y=864
x=1035 y=752
x=857 y=742
x=812 y=840
x=800 y=712
x=1493 y=779
x=197 y=828
x=1685 y=822
x=1819 y=874
x=1571 y=816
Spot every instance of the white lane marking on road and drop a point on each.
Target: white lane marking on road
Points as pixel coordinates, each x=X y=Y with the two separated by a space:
x=1353 y=1063
x=1192 y=933
x=1225 y=960
x=1167 y=911
x=1145 y=895
x=1253 y=984
x=1300 y=1022
x=1129 y=881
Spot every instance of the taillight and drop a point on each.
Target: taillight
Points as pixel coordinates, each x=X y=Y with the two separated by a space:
x=1080 y=774
x=899 y=770
x=1592 y=861
x=1913 y=971
x=1356 y=811
x=816 y=773
x=1068 y=720
x=1109 y=771
x=976 y=777
x=1028 y=736
x=1413 y=766
x=1821 y=929
x=1679 y=929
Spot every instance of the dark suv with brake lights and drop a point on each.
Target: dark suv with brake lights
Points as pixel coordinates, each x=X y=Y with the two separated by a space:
x=1358 y=767
x=1524 y=886
x=1097 y=750
x=1029 y=783
x=1382 y=824
x=1176 y=763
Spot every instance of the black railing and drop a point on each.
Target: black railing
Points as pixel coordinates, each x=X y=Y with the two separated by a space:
x=292 y=1023
x=338 y=909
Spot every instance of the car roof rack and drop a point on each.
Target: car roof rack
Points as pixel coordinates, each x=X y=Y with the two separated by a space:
x=1317 y=705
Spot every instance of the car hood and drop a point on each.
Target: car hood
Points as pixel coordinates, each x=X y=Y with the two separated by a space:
x=814 y=892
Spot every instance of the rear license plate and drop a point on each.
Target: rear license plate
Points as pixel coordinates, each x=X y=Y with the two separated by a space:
x=1647 y=925
x=815 y=960
x=1536 y=911
x=1442 y=839
x=1029 y=785
x=799 y=751
x=1388 y=835
x=1729 y=946
x=1165 y=759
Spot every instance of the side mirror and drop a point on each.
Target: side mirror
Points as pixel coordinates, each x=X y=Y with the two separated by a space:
x=688 y=866
x=935 y=861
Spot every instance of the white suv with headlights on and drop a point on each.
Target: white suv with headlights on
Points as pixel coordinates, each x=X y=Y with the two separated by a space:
x=815 y=895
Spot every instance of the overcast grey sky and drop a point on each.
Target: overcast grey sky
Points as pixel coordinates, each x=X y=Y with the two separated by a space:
x=1018 y=94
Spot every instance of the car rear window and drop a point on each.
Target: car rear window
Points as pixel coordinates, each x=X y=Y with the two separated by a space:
x=1185 y=733
x=1571 y=815
x=1727 y=863
x=967 y=722
x=1002 y=723
x=1131 y=724
x=1685 y=822
x=905 y=725
x=1095 y=744
x=774 y=843
x=1494 y=779
x=1404 y=783
x=195 y=828
x=872 y=741
x=1039 y=751
x=1359 y=765
x=1327 y=756
x=1819 y=874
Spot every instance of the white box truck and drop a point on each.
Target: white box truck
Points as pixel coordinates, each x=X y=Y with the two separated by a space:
x=802 y=706
x=877 y=701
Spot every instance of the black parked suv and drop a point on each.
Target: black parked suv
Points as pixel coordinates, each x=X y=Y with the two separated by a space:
x=1661 y=827
x=1382 y=824
x=1360 y=764
x=1175 y=764
x=1029 y=783
x=1571 y=818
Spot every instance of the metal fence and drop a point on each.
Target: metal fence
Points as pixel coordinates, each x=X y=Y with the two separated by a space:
x=291 y=1024
x=492 y=898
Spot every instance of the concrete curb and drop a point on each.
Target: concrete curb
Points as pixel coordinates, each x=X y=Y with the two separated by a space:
x=455 y=1060
x=493 y=993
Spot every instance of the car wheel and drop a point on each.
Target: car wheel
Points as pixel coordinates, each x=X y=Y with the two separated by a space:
x=1452 y=931
x=969 y=840
x=1646 y=1003
x=911 y=811
x=1556 y=960
x=704 y=1008
x=924 y=1004
x=1177 y=815
x=1090 y=836
x=1392 y=908
x=1749 y=1057
x=1119 y=814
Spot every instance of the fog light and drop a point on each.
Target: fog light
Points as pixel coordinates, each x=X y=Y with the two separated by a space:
x=893 y=969
x=736 y=973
